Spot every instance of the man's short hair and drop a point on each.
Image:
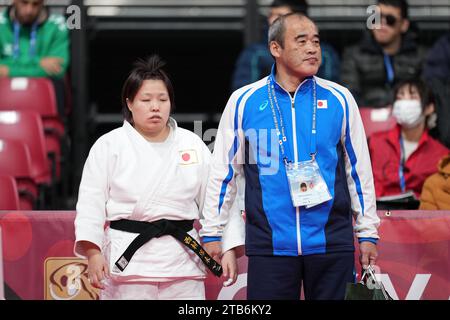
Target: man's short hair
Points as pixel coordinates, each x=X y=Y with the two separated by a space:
x=401 y=4
x=295 y=5
x=278 y=28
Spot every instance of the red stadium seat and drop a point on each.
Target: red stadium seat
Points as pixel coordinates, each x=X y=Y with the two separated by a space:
x=9 y=197
x=35 y=94
x=15 y=160
x=26 y=126
x=31 y=94
x=375 y=120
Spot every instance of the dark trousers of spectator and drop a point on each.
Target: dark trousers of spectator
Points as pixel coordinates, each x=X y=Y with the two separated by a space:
x=324 y=276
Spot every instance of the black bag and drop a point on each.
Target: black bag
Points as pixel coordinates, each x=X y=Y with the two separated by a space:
x=371 y=289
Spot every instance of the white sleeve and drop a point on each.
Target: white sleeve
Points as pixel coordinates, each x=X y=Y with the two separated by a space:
x=234 y=231
x=92 y=197
x=226 y=162
x=359 y=173
x=206 y=158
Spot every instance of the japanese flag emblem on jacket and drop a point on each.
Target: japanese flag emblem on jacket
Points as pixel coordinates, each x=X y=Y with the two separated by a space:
x=322 y=104
x=188 y=157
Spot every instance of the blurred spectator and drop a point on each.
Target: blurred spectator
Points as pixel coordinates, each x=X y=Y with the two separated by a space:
x=437 y=74
x=437 y=63
x=403 y=157
x=34 y=43
x=385 y=56
x=436 y=189
x=255 y=61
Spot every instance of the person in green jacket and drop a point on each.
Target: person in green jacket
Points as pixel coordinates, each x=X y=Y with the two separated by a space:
x=33 y=43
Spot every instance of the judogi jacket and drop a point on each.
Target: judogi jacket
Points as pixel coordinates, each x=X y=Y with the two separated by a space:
x=127 y=177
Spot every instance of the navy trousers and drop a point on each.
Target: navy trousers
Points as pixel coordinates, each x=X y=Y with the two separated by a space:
x=324 y=276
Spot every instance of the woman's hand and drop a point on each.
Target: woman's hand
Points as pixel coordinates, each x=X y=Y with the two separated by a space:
x=98 y=269
x=230 y=269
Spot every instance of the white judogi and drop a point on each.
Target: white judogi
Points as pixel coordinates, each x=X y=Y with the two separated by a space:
x=181 y=289
x=127 y=177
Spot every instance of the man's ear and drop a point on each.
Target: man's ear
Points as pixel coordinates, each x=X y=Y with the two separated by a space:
x=275 y=49
x=405 y=25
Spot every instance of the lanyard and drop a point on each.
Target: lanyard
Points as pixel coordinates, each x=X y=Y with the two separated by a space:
x=283 y=140
x=389 y=68
x=33 y=36
x=402 y=164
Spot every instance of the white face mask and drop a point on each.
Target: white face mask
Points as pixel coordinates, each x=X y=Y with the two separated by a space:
x=408 y=113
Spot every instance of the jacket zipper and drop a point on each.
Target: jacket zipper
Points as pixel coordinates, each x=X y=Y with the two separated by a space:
x=294 y=135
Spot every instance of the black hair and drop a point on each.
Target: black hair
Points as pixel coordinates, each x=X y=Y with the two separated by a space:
x=295 y=5
x=150 y=68
x=401 y=4
x=426 y=95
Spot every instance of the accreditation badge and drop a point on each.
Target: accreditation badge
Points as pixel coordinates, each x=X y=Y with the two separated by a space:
x=306 y=184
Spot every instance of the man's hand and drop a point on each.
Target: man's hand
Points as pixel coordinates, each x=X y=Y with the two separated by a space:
x=367 y=254
x=230 y=268
x=51 y=65
x=4 y=71
x=214 y=249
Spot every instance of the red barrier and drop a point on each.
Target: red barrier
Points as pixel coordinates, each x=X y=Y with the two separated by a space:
x=413 y=262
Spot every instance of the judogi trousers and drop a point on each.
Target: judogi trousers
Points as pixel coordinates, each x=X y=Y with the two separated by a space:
x=182 y=289
x=324 y=276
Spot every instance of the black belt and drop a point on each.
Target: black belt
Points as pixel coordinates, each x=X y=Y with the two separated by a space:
x=156 y=229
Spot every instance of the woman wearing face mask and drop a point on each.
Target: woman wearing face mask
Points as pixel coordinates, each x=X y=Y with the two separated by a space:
x=403 y=157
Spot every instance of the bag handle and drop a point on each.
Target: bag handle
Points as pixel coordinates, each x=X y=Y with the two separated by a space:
x=376 y=284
